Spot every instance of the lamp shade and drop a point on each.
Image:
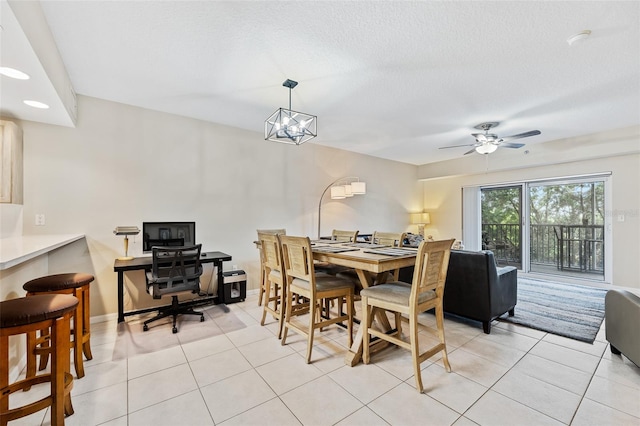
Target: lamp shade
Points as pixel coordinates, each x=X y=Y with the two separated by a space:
x=359 y=188
x=420 y=218
x=338 y=192
x=348 y=192
x=126 y=230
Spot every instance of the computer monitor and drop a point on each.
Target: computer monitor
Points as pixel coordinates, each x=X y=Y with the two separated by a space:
x=163 y=234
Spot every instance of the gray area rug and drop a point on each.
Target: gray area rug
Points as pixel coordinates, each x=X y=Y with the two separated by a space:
x=568 y=310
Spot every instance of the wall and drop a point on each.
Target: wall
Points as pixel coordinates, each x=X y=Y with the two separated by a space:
x=123 y=165
x=444 y=200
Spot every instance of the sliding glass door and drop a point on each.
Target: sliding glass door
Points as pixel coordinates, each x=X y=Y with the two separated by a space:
x=501 y=223
x=553 y=227
x=567 y=228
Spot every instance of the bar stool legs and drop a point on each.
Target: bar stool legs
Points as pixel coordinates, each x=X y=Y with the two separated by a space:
x=76 y=284
x=24 y=315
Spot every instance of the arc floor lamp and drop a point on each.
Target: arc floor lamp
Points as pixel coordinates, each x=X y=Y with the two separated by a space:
x=345 y=187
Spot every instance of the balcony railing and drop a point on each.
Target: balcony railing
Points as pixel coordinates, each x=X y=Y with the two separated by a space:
x=568 y=248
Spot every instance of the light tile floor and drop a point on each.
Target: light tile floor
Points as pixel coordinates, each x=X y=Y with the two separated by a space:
x=229 y=370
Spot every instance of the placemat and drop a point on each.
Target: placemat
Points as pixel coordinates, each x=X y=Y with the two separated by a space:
x=392 y=251
x=326 y=242
x=332 y=249
x=366 y=245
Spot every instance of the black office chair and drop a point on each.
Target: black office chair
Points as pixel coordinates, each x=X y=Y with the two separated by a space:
x=175 y=270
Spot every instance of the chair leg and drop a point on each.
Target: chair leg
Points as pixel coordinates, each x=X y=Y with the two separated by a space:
x=261 y=291
x=281 y=311
x=77 y=343
x=440 y=325
x=174 y=310
x=366 y=323
x=267 y=295
x=311 y=330
x=415 y=350
x=350 y=315
x=86 y=325
x=46 y=344
x=287 y=318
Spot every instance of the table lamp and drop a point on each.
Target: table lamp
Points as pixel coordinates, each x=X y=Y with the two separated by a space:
x=126 y=231
x=420 y=219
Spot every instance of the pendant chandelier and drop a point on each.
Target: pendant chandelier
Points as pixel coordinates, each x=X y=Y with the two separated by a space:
x=288 y=126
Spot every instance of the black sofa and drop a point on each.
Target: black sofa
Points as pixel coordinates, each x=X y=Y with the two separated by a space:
x=476 y=288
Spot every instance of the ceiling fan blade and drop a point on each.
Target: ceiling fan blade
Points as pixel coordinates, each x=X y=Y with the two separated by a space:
x=457 y=146
x=511 y=145
x=521 y=135
x=470 y=151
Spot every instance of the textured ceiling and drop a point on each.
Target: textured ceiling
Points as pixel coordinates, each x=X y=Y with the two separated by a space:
x=390 y=79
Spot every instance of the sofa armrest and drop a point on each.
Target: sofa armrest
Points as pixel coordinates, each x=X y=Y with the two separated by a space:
x=622 y=316
x=504 y=291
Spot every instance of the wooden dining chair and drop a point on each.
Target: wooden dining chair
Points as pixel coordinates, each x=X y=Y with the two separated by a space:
x=263 y=272
x=274 y=294
x=301 y=280
x=424 y=293
x=344 y=236
x=393 y=239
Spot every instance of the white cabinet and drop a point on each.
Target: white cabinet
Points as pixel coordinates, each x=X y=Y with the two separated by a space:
x=10 y=163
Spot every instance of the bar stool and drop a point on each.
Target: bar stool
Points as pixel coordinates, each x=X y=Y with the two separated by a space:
x=29 y=314
x=76 y=284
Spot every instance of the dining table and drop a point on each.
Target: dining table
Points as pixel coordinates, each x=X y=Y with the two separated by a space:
x=372 y=263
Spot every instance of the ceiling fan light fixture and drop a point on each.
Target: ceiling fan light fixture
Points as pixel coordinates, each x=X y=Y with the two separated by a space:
x=486 y=148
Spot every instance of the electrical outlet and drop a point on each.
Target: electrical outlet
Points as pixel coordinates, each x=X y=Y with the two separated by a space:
x=620 y=218
x=40 y=219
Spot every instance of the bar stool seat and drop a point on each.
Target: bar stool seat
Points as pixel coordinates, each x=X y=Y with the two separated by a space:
x=75 y=284
x=28 y=314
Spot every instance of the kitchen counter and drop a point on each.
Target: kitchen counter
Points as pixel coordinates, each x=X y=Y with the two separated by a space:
x=16 y=250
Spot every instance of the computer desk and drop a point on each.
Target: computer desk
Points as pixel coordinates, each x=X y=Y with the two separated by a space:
x=144 y=263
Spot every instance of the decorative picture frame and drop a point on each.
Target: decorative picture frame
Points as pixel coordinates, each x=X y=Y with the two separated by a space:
x=164 y=233
x=183 y=232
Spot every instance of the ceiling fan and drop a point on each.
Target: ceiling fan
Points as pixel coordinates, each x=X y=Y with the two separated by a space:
x=486 y=142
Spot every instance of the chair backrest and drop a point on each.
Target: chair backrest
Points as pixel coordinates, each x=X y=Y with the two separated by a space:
x=267 y=231
x=273 y=231
x=298 y=259
x=394 y=239
x=432 y=263
x=344 y=236
x=271 y=251
x=175 y=269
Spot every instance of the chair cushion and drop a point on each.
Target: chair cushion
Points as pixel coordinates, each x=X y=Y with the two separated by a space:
x=324 y=282
x=57 y=282
x=275 y=274
x=32 y=309
x=395 y=292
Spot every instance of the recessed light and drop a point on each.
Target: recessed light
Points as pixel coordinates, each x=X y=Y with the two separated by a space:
x=14 y=73
x=36 y=104
x=579 y=36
